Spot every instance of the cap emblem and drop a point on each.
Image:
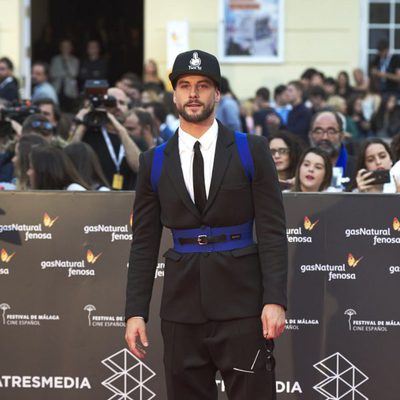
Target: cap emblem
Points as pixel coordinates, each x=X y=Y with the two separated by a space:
x=195 y=62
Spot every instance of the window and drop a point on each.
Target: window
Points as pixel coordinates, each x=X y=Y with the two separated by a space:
x=383 y=23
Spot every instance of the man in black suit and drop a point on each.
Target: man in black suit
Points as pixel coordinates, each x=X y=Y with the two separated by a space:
x=218 y=282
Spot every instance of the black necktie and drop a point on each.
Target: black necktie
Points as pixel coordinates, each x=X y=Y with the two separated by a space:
x=199 y=186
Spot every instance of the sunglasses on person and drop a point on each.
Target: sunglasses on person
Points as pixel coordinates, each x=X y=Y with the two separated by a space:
x=42 y=124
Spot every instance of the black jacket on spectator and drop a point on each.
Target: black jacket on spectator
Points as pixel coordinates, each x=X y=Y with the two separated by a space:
x=95 y=139
x=9 y=89
x=299 y=121
x=260 y=119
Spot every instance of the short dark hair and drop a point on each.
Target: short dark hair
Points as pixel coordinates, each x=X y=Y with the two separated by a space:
x=308 y=73
x=8 y=62
x=48 y=101
x=298 y=85
x=158 y=110
x=279 y=90
x=43 y=64
x=328 y=169
x=264 y=93
x=317 y=91
x=383 y=44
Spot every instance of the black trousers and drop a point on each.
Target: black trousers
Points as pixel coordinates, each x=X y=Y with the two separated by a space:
x=194 y=352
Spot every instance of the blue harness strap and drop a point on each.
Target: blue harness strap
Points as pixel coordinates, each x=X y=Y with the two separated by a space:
x=236 y=237
x=242 y=145
x=243 y=148
x=156 y=166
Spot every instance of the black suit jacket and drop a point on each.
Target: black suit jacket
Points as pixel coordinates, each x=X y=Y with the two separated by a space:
x=218 y=285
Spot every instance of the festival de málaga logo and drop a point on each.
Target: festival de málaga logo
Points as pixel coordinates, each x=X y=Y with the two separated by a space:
x=5 y=259
x=379 y=236
x=32 y=231
x=116 y=233
x=336 y=271
x=103 y=321
x=83 y=267
x=302 y=233
x=358 y=323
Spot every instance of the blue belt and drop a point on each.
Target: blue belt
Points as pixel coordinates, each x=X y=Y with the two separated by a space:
x=207 y=239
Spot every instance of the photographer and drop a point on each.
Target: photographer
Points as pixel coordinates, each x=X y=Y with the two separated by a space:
x=101 y=127
x=9 y=130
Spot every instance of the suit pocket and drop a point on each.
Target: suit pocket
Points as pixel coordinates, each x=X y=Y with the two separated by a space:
x=245 y=251
x=173 y=255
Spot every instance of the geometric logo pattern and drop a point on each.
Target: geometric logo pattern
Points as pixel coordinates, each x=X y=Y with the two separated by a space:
x=129 y=378
x=342 y=379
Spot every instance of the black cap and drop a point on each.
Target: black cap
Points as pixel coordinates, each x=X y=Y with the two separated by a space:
x=196 y=62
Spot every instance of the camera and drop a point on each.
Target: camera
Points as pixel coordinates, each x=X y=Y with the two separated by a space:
x=96 y=93
x=17 y=112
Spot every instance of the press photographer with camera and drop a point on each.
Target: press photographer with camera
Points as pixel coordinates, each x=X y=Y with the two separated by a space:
x=100 y=126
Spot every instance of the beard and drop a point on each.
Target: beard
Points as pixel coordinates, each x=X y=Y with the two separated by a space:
x=200 y=117
x=330 y=148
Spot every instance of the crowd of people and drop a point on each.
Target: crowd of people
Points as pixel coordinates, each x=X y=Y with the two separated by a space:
x=325 y=134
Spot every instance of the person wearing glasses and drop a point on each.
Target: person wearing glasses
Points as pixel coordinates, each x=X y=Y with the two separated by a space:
x=326 y=133
x=286 y=150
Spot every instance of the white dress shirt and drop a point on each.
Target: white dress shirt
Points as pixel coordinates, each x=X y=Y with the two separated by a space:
x=208 y=141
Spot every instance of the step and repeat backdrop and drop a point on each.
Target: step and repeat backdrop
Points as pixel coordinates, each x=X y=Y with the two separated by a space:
x=63 y=266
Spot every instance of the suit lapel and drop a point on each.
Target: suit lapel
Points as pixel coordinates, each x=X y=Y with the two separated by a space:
x=174 y=171
x=223 y=154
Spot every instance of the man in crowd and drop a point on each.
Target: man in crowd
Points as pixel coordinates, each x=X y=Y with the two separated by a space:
x=326 y=132
x=300 y=116
x=118 y=154
x=228 y=111
x=281 y=103
x=217 y=283
x=266 y=119
x=52 y=112
x=8 y=83
x=42 y=88
x=385 y=70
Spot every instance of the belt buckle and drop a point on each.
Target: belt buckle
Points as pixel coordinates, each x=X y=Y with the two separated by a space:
x=202 y=240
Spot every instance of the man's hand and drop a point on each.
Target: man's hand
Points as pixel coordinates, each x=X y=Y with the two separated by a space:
x=136 y=328
x=273 y=320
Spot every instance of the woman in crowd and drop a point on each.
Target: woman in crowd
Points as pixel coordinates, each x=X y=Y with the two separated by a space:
x=286 y=150
x=355 y=112
x=343 y=87
x=314 y=172
x=22 y=153
x=374 y=155
x=386 y=122
x=150 y=75
x=88 y=165
x=51 y=169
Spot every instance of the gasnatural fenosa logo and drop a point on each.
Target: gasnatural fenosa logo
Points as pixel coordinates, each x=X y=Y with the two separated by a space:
x=301 y=233
x=91 y=258
x=48 y=222
x=352 y=261
x=5 y=258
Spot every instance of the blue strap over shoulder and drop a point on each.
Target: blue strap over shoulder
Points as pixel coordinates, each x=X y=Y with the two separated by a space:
x=156 y=166
x=242 y=145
